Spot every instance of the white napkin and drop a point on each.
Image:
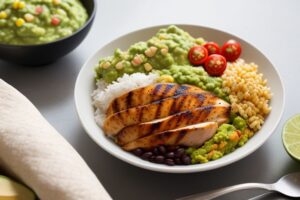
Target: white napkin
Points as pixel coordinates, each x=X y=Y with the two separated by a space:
x=35 y=152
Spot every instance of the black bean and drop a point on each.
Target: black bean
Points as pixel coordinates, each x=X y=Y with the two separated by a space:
x=178 y=161
x=179 y=152
x=159 y=159
x=170 y=154
x=147 y=155
x=156 y=151
x=138 y=152
x=152 y=158
x=186 y=160
x=170 y=162
x=162 y=149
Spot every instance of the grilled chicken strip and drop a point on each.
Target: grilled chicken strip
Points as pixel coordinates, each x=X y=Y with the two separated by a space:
x=192 y=136
x=158 y=109
x=214 y=113
x=148 y=94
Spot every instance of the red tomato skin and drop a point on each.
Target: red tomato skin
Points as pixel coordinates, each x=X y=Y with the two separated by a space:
x=215 y=65
x=192 y=56
x=39 y=10
x=231 y=50
x=55 y=21
x=212 y=48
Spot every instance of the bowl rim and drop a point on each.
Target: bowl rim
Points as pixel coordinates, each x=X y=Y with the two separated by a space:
x=90 y=19
x=188 y=168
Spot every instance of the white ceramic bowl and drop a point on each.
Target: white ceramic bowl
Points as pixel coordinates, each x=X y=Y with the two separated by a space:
x=85 y=84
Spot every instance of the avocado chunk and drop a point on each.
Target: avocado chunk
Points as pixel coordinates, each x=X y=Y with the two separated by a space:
x=11 y=190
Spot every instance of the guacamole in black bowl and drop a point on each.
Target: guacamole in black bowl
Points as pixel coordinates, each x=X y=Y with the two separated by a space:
x=37 y=32
x=35 y=21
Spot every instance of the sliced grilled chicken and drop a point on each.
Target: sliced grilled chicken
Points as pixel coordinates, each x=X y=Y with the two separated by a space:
x=214 y=113
x=148 y=94
x=192 y=136
x=158 y=109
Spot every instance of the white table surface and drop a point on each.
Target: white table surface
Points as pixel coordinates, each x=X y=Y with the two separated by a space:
x=270 y=25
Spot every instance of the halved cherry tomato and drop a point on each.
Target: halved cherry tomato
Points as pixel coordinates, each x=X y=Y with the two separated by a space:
x=212 y=48
x=215 y=65
x=197 y=55
x=231 y=50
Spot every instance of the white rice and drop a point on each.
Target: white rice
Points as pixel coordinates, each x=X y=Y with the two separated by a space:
x=105 y=93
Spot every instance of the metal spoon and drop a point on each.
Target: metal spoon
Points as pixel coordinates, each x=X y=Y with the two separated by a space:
x=288 y=185
x=271 y=195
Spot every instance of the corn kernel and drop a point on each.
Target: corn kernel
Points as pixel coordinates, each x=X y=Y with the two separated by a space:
x=18 y=4
x=150 y=52
x=119 y=65
x=3 y=15
x=56 y=2
x=20 y=22
x=29 y=17
x=163 y=36
x=148 y=67
x=21 y=5
x=15 y=4
x=165 y=79
x=105 y=65
x=164 y=51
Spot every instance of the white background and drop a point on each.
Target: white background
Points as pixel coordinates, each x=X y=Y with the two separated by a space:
x=270 y=25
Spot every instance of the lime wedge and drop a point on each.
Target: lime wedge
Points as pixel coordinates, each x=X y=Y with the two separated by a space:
x=11 y=190
x=291 y=137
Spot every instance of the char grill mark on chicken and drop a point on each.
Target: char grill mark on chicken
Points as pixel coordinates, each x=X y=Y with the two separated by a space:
x=157 y=110
x=149 y=94
x=215 y=113
x=192 y=136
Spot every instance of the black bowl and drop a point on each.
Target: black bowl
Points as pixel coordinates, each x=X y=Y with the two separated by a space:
x=41 y=54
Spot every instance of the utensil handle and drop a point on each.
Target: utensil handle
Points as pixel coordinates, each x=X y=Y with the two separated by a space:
x=267 y=195
x=219 y=192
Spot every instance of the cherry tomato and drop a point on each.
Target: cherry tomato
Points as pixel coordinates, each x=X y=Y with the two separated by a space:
x=231 y=50
x=212 y=48
x=197 y=55
x=215 y=65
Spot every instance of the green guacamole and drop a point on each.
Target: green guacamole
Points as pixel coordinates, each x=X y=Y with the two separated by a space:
x=225 y=140
x=239 y=123
x=168 y=47
x=25 y=22
x=197 y=76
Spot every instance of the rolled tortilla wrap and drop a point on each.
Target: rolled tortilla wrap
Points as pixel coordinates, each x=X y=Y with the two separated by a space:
x=32 y=150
